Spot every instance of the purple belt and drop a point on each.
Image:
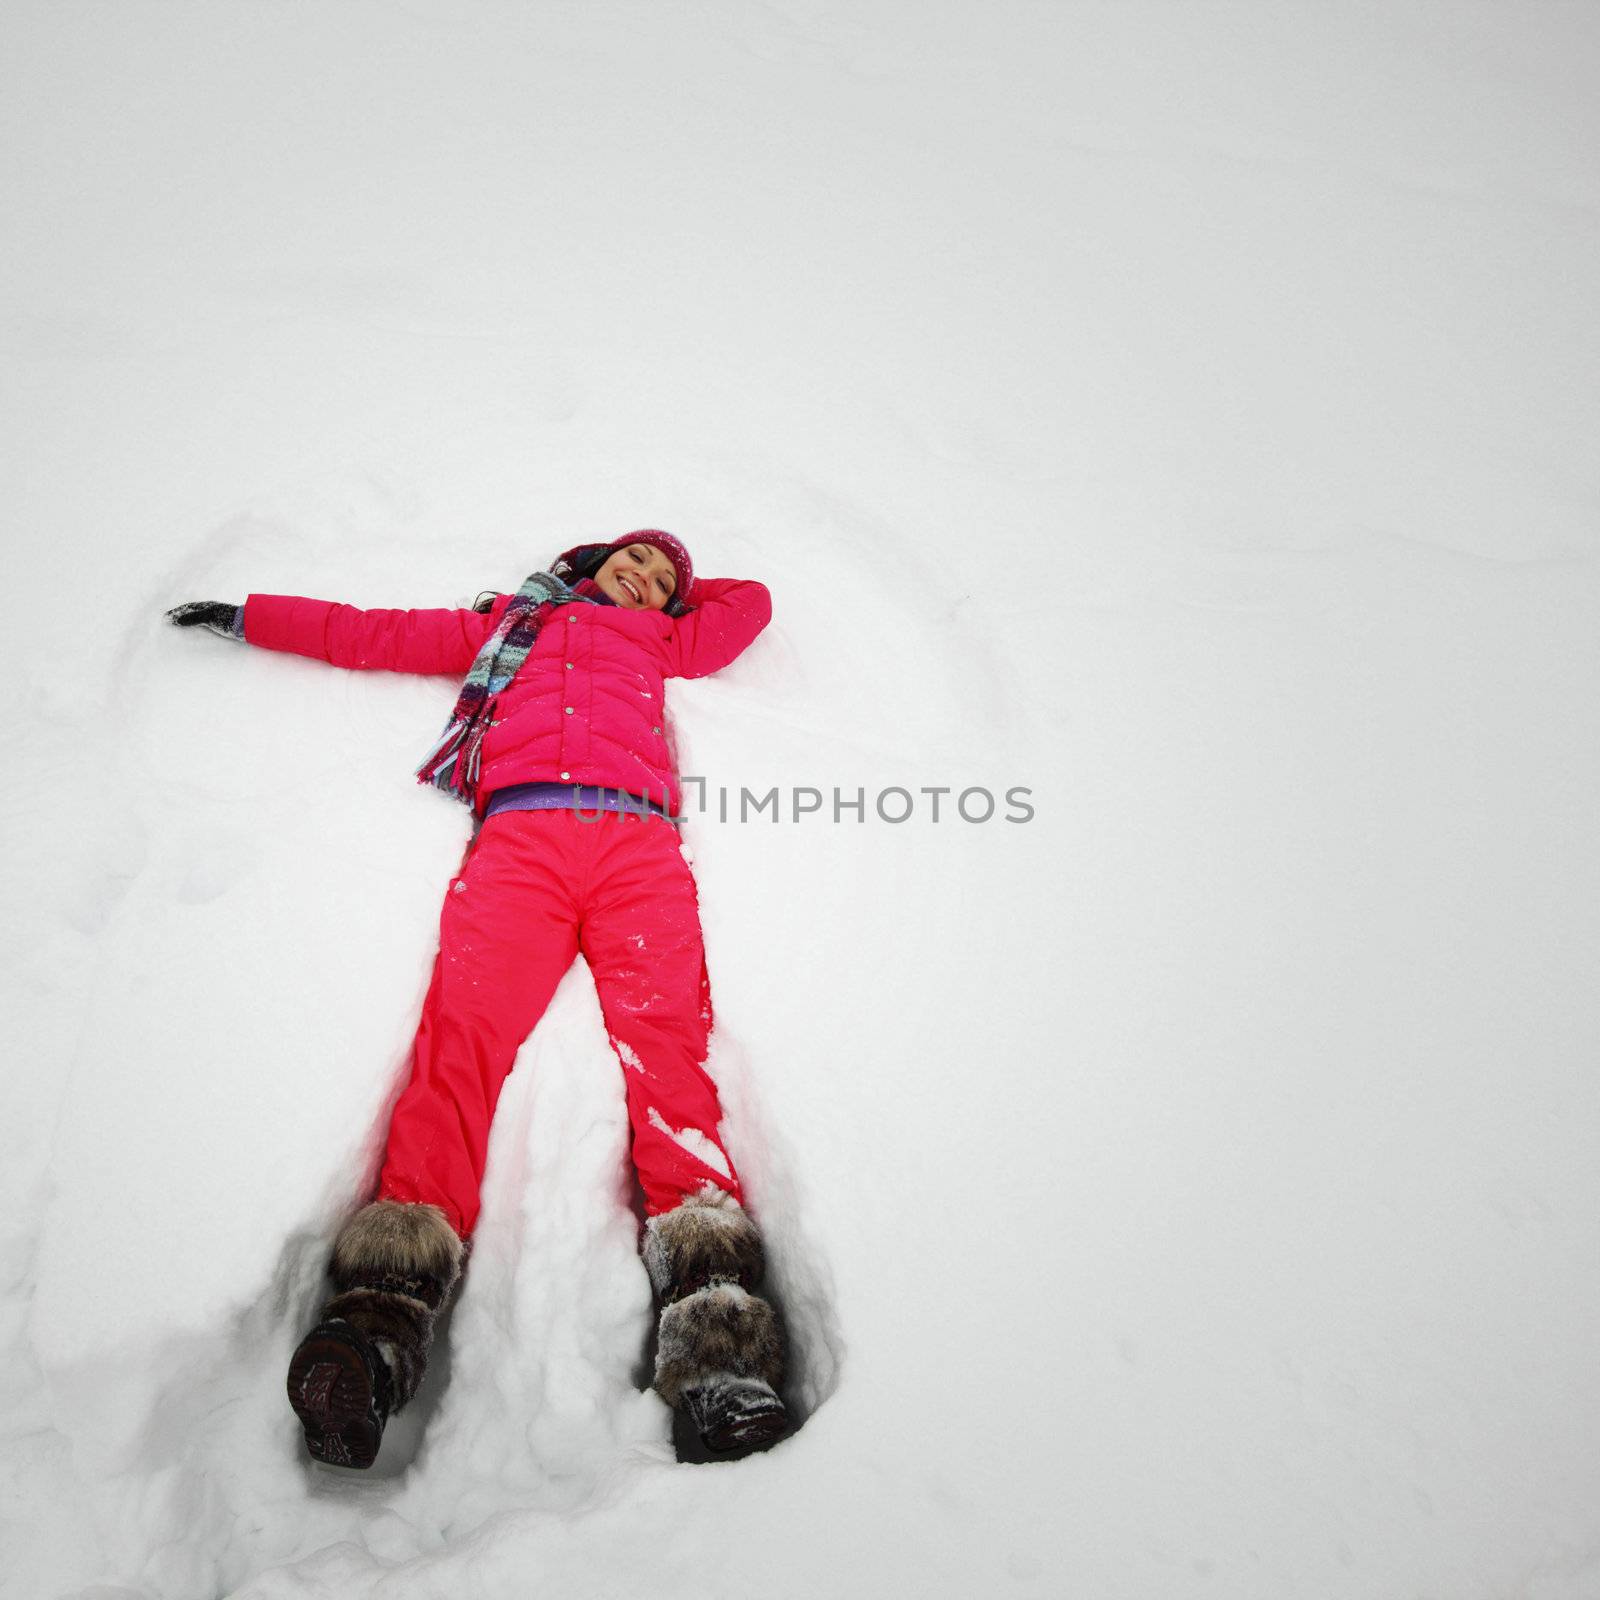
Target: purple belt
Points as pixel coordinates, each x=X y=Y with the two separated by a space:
x=588 y=800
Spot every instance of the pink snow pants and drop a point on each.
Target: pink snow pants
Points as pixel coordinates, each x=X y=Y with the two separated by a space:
x=535 y=888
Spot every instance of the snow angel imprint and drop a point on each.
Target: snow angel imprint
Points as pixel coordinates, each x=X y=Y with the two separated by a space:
x=557 y=744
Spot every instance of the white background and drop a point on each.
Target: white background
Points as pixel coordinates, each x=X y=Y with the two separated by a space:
x=1186 y=411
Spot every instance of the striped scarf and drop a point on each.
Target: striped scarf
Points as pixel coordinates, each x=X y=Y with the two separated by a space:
x=455 y=761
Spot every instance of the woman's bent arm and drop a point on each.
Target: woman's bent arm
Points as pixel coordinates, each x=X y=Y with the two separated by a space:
x=728 y=614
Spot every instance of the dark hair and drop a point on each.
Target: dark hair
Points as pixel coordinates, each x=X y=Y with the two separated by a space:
x=586 y=560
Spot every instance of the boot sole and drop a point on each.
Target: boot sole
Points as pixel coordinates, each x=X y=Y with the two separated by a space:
x=736 y=1418
x=331 y=1390
x=748 y=1433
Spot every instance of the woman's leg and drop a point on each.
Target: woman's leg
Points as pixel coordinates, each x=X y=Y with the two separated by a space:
x=507 y=933
x=641 y=937
x=719 y=1357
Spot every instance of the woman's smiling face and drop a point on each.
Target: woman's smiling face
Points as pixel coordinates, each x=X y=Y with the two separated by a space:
x=638 y=576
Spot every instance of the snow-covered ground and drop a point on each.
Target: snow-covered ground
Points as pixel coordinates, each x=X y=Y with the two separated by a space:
x=1186 y=412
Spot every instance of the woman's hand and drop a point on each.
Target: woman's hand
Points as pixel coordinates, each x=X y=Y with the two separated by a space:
x=217 y=615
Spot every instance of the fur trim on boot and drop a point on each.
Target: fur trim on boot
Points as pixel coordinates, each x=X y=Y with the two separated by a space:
x=395 y=1236
x=394 y=1267
x=720 y=1331
x=705 y=1240
x=719 y=1355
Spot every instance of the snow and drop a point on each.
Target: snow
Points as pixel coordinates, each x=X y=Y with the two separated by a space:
x=1185 y=413
x=690 y=1139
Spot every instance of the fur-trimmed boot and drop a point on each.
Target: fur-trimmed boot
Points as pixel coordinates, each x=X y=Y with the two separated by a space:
x=394 y=1267
x=720 y=1353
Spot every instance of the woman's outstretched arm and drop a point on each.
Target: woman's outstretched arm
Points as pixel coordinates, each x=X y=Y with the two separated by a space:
x=426 y=641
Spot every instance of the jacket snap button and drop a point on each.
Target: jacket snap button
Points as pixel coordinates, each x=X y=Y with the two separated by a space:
x=565 y=776
x=569 y=666
x=568 y=710
x=655 y=730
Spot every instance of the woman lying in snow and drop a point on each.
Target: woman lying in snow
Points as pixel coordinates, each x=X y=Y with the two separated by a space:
x=557 y=744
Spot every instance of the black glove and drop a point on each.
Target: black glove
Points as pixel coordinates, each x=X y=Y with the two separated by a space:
x=217 y=615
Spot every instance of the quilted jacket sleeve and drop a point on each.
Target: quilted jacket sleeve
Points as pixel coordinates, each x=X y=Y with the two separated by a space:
x=728 y=614
x=443 y=641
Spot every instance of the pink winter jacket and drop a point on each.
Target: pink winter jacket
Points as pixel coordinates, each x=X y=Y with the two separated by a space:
x=586 y=706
